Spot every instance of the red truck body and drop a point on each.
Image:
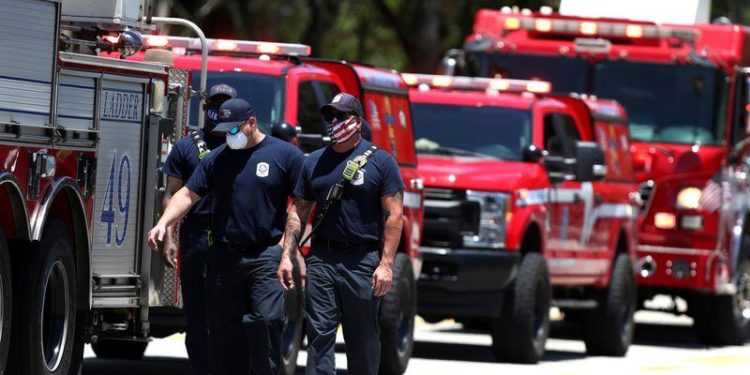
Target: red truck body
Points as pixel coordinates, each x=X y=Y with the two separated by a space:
x=685 y=90
x=580 y=226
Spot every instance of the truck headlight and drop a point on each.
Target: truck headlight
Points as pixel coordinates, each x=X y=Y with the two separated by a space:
x=493 y=208
x=689 y=198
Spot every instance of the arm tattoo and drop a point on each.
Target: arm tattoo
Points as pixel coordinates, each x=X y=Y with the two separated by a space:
x=295 y=226
x=396 y=198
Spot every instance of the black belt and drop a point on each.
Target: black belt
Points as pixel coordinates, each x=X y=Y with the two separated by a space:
x=198 y=219
x=323 y=244
x=235 y=248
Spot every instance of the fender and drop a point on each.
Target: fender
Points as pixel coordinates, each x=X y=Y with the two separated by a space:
x=68 y=186
x=20 y=211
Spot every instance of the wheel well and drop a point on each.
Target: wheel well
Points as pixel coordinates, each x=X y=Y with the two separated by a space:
x=15 y=225
x=622 y=244
x=532 y=240
x=67 y=208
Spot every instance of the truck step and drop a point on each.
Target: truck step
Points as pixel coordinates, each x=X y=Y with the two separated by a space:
x=582 y=304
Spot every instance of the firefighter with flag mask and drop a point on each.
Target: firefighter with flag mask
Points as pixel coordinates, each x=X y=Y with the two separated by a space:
x=249 y=181
x=191 y=242
x=358 y=193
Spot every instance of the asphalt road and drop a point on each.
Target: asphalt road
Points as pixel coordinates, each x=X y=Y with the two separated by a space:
x=664 y=344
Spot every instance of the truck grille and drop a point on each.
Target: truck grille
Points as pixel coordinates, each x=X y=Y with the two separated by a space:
x=448 y=216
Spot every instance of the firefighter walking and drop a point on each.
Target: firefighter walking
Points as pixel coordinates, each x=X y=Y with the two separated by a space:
x=358 y=193
x=248 y=181
x=180 y=165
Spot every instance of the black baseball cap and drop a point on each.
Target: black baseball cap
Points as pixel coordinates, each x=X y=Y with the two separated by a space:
x=232 y=113
x=222 y=91
x=343 y=102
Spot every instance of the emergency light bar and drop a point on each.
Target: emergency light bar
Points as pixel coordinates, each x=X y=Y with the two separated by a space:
x=476 y=84
x=599 y=29
x=226 y=45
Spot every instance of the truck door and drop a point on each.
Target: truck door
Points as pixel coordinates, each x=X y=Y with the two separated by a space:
x=567 y=197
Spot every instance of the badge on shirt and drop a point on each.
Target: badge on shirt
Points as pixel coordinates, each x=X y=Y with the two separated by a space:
x=359 y=178
x=262 y=169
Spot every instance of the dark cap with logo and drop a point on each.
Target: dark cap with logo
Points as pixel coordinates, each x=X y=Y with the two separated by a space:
x=343 y=102
x=221 y=91
x=232 y=113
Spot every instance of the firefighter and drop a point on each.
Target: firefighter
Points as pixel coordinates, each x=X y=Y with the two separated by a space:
x=180 y=164
x=358 y=194
x=249 y=181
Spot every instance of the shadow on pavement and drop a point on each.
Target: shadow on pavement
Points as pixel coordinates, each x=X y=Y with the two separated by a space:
x=145 y=366
x=476 y=353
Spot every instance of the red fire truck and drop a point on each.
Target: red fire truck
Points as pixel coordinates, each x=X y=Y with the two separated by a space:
x=511 y=229
x=685 y=88
x=287 y=89
x=78 y=135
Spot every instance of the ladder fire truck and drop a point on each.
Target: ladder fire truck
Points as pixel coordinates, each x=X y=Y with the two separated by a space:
x=686 y=90
x=80 y=144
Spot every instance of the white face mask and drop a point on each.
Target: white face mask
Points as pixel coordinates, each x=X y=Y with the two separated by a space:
x=237 y=141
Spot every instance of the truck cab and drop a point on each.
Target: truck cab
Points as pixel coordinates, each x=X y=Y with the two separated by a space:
x=528 y=203
x=286 y=89
x=684 y=87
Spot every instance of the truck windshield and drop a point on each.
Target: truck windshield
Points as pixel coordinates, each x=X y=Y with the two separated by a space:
x=263 y=92
x=471 y=131
x=665 y=103
x=567 y=74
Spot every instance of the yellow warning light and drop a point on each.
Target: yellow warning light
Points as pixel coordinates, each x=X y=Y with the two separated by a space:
x=634 y=31
x=543 y=25
x=588 y=28
x=441 y=81
x=269 y=48
x=512 y=24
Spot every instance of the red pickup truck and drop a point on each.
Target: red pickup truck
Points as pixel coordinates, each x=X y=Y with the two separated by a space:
x=530 y=201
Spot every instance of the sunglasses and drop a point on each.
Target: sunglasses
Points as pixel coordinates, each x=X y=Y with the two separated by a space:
x=236 y=129
x=338 y=116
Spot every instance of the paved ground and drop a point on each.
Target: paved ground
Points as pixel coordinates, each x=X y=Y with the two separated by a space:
x=664 y=345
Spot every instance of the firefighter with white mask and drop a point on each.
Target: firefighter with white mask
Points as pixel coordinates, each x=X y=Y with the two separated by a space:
x=249 y=181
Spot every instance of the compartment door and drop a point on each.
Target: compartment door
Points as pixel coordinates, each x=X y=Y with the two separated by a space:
x=116 y=217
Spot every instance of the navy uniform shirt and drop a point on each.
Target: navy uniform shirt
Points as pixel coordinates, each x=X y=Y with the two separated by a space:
x=182 y=161
x=249 y=190
x=358 y=218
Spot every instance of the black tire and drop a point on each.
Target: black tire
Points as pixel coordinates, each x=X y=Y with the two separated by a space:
x=608 y=329
x=520 y=333
x=119 y=349
x=44 y=340
x=6 y=301
x=397 y=316
x=725 y=320
x=294 y=324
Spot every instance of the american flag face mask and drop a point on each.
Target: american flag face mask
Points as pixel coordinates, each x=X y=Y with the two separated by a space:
x=342 y=130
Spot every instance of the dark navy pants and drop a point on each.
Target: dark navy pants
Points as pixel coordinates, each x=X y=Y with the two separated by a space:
x=339 y=291
x=193 y=250
x=245 y=311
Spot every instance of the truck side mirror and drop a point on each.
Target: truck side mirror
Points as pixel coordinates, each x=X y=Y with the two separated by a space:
x=532 y=154
x=309 y=142
x=590 y=162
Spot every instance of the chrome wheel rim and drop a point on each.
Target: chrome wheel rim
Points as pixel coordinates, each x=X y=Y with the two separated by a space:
x=742 y=298
x=55 y=315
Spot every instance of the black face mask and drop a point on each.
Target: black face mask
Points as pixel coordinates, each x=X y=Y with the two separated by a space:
x=212 y=117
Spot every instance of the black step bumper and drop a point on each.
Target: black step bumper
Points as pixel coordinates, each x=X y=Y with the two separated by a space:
x=465 y=282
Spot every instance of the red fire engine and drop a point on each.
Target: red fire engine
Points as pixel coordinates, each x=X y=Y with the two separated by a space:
x=685 y=88
x=287 y=89
x=78 y=134
x=511 y=229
